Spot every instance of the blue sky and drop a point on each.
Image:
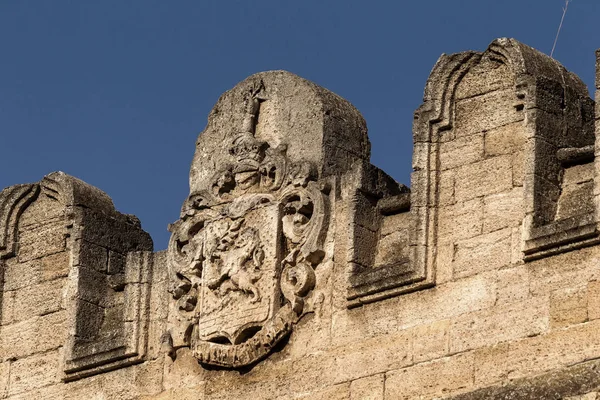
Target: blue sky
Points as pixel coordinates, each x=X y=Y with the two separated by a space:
x=116 y=92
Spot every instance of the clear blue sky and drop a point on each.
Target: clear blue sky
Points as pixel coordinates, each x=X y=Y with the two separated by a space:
x=116 y=92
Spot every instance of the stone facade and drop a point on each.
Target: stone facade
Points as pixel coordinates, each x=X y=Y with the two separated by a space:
x=298 y=270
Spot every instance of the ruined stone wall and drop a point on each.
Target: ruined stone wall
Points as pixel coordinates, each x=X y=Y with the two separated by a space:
x=298 y=270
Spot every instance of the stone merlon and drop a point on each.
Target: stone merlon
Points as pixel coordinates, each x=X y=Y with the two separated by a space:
x=298 y=269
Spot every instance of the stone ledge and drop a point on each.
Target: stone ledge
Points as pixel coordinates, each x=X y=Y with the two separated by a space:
x=561 y=236
x=570 y=381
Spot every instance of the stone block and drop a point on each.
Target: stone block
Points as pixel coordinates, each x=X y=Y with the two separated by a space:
x=275 y=378
x=486 y=252
x=491 y=362
x=545 y=162
x=461 y=151
x=369 y=388
x=444 y=260
x=313 y=334
x=463 y=220
x=365 y=211
x=183 y=372
x=90 y=256
x=487 y=76
x=580 y=173
x=499 y=324
x=4 y=378
x=419 y=195
x=8 y=303
x=446 y=187
x=365 y=241
x=553 y=350
x=568 y=307
x=196 y=393
x=550 y=95
x=432 y=379
x=42 y=210
x=336 y=392
x=34 y=335
x=420 y=159
x=593 y=300
x=396 y=222
x=576 y=199
x=37 y=300
x=492 y=175
x=486 y=112
x=518 y=168
x=34 y=372
x=597 y=81
x=507 y=139
x=140 y=381
x=92 y=286
x=116 y=263
x=431 y=341
x=368 y=357
x=40 y=241
x=517 y=244
x=597 y=108
x=19 y=275
x=393 y=248
x=573 y=269
x=54 y=266
x=513 y=285
x=503 y=210
x=55 y=391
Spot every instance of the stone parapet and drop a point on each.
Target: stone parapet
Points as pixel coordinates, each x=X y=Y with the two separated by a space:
x=299 y=270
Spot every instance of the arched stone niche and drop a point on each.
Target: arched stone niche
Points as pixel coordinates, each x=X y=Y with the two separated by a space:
x=503 y=160
x=75 y=277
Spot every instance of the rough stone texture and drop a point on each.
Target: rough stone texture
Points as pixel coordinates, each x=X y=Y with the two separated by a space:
x=298 y=270
x=314 y=124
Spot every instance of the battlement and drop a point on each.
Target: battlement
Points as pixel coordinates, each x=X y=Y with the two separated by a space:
x=297 y=269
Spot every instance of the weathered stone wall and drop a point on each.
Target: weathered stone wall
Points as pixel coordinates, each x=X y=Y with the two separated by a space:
x=299 y=271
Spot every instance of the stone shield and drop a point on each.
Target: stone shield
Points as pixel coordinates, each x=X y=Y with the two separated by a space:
x=245 y=248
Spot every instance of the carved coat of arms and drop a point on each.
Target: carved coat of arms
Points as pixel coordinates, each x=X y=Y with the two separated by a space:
x=245 y=249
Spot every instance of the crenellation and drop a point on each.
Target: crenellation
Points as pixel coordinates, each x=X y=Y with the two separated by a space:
x=298 y=269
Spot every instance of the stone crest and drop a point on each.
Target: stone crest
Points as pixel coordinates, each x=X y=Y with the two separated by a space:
x=246 y=246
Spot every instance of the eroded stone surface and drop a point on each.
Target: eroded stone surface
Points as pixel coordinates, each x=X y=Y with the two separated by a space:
x=298 y=270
